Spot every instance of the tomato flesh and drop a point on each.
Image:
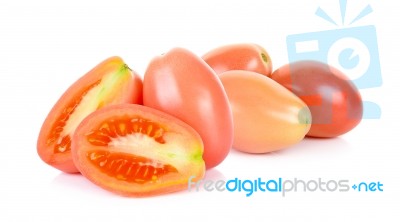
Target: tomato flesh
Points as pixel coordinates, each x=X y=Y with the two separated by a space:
x=135 y=150
x=124 y=126
x=130 y=168
x=110 y=82
x=62 y=143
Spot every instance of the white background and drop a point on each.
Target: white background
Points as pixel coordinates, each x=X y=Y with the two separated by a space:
x=45 y=46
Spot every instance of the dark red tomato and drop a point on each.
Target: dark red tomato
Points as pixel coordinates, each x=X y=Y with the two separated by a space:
x=183 y=85
x=110 y=82
x=135 y=150
x=334 y=101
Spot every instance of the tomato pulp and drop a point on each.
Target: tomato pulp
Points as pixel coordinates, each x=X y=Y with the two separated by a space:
x=135 y=150
x=110 y=82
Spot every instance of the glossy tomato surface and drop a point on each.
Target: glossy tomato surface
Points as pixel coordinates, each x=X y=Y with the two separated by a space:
x=135 y=150
x=266 y=116
x=110 y=82
x=183 y=85
x=245 y=56
x=334 y=101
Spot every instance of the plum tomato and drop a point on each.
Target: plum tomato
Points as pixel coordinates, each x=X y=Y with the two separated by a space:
x=183 y=85
x=334 y=101
x=135 y=150
x=245 y=56
x=110 y=82
x=266 y=116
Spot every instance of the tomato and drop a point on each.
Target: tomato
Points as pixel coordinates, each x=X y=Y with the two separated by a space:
x=334 y=101
x=110 y=82
x=251 y=57
x=266 y=116
x=183 y=85
x=135 y=150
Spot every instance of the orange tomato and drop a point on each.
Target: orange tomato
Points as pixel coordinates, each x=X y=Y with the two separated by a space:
x=266 y=116
x=250 y=57
x=183 y=85
x=135 y=150
x=110 y=82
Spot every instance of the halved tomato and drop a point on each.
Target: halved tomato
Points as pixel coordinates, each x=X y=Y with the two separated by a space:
x=110 y=82
x=135 y=150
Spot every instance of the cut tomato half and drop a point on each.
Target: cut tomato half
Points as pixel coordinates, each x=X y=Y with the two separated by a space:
x=110 y=82
x=135 y=150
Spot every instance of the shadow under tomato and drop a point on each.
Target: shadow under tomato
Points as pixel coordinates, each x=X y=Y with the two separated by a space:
x=312 y=146
x=307 y=146
x=79 y=184
x=214 y=175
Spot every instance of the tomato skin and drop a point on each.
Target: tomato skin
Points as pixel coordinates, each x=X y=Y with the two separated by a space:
x=183 y=149
x=126 y=87
x=183 y=85
x=267 y=117
x=334 y=101
x=245 y=56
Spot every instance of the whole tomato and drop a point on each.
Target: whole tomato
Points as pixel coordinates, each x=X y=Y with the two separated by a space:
x=334 y=101
x=245 y=56
x=266 y=116
x=183 y=85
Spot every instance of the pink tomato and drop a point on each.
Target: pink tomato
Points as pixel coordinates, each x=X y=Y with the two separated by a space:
x=183 y=85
